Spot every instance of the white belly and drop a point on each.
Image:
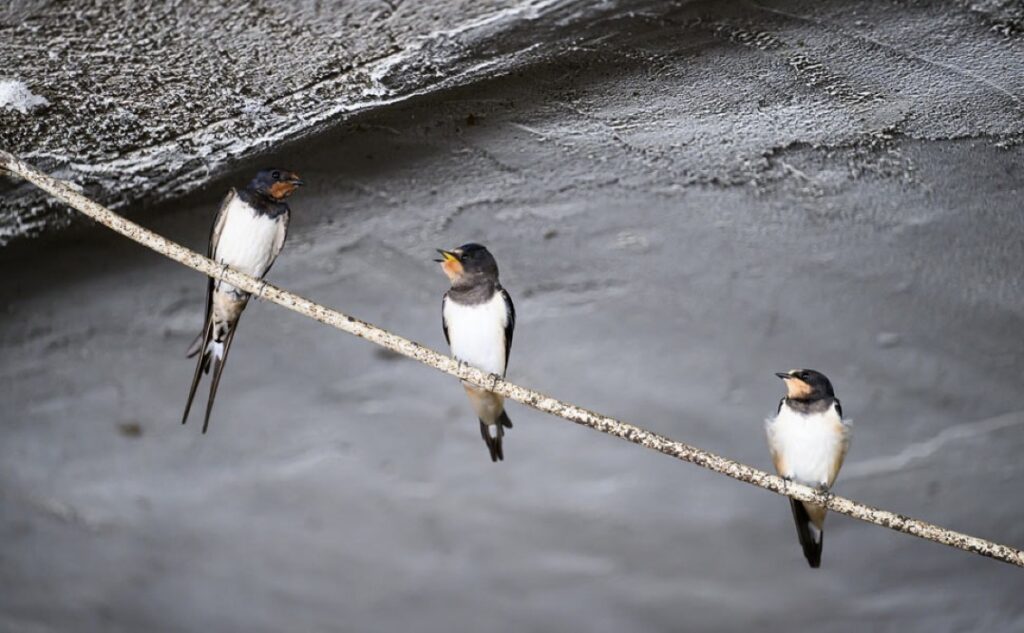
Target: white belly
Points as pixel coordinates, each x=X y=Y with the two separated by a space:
x=808 y=448
x=247 y=239
x=477 y=333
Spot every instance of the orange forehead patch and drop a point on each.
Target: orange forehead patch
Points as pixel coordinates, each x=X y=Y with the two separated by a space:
x=280 y=190
x=796 y=388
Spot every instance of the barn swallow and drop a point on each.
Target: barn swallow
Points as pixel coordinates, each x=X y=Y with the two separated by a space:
x=247 y=235
x=478 y=319
x=808 y=439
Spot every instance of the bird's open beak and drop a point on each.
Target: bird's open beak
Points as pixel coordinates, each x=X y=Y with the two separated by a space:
x=296 y=181
x=446 y=256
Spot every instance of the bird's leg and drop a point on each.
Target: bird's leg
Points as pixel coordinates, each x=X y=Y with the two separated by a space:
x=259 y=291
x=493 y=378
x=826 y=492
x=461 y=373
x=223 y=271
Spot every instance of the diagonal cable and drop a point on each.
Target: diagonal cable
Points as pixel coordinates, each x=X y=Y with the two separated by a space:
x=69 y=194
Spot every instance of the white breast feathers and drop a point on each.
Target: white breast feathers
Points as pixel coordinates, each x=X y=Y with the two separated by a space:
x=477 y=333
x=247 y=239
x=808 y=448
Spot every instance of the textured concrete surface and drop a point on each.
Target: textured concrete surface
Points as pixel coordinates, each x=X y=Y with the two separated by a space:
x=681 y=204
x=149 y=99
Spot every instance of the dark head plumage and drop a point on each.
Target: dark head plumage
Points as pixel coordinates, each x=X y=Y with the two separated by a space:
x=275 y=184
x=469 y=264
x=806 y=384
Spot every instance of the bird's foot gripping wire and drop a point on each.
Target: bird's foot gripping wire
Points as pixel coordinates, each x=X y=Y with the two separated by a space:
x=223 y=271
x=492 y=381
x=785 y=485
x=826 y=494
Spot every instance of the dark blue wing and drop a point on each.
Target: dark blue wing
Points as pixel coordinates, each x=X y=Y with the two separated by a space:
x=444 y=321
x=510 y=323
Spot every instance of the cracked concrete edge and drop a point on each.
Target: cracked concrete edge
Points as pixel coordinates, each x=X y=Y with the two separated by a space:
x=482 y=46
x=514 y=35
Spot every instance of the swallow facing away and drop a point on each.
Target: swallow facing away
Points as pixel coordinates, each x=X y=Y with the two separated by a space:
x=808 y=439
x=247 y=235
x=478 y=319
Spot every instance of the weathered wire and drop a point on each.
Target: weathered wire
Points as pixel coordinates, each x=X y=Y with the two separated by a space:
x=68 y=194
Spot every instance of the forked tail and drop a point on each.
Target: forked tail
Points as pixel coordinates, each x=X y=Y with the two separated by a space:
x=811 y=546
x=214 y=355
x=494 y=442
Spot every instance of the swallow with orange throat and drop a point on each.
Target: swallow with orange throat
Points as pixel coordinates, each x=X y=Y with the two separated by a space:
x=247 y=235
x=808 y=440
x=478 y=320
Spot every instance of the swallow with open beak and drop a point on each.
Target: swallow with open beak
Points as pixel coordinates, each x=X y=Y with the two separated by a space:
x=247 y=235
x=808 y=440
x=478 y=319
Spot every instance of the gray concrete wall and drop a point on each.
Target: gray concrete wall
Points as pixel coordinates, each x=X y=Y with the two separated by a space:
x=682 y=201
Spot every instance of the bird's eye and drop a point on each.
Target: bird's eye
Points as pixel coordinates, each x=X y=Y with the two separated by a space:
x=276 y=175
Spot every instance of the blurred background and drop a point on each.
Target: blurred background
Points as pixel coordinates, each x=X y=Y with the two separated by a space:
x=683 y=198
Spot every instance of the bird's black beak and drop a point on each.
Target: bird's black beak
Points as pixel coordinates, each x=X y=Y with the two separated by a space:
x=295 y=180
x=783 y=375
x=446 y=256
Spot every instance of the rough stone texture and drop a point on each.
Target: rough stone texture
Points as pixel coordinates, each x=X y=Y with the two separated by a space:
x=149 y=99
x=682 y=204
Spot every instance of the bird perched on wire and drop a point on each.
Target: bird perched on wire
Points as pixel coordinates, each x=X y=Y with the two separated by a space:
x=247 y=235
x=478 y=319
x=808 y=439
